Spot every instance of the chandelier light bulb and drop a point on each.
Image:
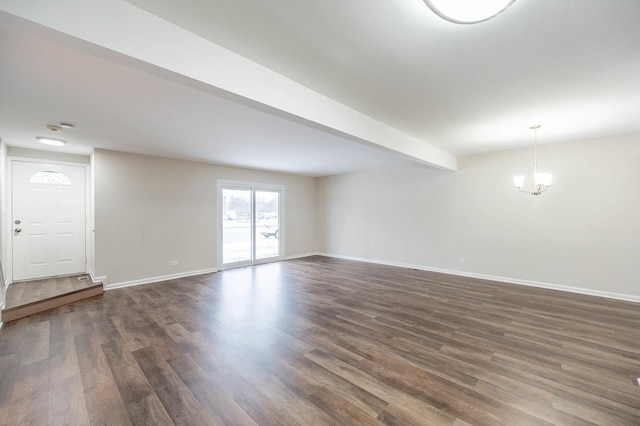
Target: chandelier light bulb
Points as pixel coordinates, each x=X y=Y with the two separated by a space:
x=543 y=179
x=518 y=181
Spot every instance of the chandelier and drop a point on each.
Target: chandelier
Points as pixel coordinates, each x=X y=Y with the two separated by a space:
x=468 y=11
x=541 y=181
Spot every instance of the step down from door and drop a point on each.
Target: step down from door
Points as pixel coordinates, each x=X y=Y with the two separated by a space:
x=29 y=298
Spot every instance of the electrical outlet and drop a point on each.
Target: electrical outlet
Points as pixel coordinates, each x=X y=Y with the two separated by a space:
x=173 y=263
x=461 y=260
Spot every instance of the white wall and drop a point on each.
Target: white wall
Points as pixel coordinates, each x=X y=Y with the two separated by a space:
x=150 y=210
x=3 y=224
x=584 y=232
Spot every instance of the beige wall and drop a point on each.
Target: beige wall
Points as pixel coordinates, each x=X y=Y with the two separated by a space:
x=150 y=211
x=584 y=232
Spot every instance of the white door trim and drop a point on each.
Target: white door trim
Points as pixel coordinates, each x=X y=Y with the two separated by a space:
x=7 y=225
x=281 y=216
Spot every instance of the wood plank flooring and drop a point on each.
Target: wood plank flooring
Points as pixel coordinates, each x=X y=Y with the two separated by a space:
x=320 y=341
x=26 y=292
x=31 y=297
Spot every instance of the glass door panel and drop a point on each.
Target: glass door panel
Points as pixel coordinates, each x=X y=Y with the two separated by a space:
x=237 y=225
x=250 y=224
x=267 y=224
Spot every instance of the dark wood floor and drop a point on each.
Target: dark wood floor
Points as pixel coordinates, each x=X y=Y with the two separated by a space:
x=323 y=341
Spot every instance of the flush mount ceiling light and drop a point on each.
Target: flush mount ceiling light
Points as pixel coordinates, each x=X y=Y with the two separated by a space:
x=58 y=127
x=51 y=141
x=541 y=181
x=468 y=11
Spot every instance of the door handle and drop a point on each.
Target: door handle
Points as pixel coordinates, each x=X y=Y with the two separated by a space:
x=18 y=230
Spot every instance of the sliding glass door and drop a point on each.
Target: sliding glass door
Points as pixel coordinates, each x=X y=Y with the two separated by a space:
x=267 y=224
x=236 y=225
x=250 y=224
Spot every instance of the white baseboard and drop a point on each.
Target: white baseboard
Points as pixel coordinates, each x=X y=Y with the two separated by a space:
x=142 y=281
x=299 y=256
x=159 y=279
x=102 y=279
x=570 y=289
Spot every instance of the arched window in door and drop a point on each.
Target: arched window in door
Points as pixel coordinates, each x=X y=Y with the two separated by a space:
x=50 y=177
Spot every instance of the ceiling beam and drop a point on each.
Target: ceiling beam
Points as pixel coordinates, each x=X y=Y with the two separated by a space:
x=120 y=27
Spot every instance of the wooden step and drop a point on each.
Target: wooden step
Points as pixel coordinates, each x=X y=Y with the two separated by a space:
x=14 y=313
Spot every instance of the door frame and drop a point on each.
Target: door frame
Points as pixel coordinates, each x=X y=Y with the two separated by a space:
x=252 y=186
x=7 y=225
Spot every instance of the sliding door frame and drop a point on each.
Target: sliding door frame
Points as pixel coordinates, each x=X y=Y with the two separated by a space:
x=252 y=187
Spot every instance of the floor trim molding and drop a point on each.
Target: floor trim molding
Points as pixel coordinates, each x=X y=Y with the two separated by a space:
x=151 y=280
x=300 y=256
x=570 y=289
x=95 y=279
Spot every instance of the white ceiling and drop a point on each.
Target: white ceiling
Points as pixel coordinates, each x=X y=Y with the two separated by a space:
x=571 y=66
x=119 y=108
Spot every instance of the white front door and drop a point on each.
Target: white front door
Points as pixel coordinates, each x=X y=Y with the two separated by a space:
x=47 y=220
